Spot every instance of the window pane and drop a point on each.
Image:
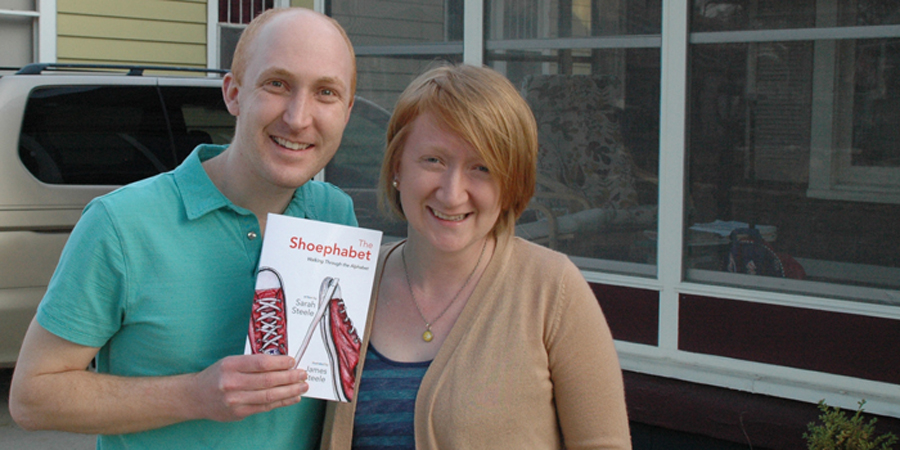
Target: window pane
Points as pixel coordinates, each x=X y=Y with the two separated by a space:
x=383 y=78
x=712 y=15
x=598 y=119
x=797 y=139
x=876 y=103
x=392 y=23
x=533 y=19
x=95 y=135
x=242 y=11
x=198 y=115
x=356 y=166
x=597 y=109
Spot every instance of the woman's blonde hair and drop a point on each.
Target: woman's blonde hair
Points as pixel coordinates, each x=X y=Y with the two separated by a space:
x=483 y=108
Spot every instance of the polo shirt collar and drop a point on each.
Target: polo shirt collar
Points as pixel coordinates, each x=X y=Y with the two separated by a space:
x=199 y=194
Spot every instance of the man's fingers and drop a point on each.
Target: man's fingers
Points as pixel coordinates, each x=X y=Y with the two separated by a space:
x=248 y=384
x=245 y=403
x=258 y=363
x=287 y=394
x=260 y=381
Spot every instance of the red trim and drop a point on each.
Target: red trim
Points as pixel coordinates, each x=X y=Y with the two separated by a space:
x=837 y=343
x=223 y=11
x=632 y=314
x=246 y=15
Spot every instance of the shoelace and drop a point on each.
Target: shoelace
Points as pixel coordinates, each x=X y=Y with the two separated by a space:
x=268 y=309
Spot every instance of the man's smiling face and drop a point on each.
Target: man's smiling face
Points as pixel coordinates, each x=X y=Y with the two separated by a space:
x=293 y=101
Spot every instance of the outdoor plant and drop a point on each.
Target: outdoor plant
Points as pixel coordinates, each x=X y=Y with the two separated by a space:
x=837 y=432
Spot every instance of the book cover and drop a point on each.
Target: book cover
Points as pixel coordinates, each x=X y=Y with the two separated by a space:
x=313 y=290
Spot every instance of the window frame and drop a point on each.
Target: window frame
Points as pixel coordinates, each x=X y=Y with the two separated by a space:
x=836 y=178
x=43 y=24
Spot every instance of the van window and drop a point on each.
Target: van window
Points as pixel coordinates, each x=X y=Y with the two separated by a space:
x=114 y=135
x=198 y=115
x=107 y=135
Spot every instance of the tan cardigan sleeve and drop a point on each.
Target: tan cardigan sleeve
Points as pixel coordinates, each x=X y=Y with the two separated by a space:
x=585 y=370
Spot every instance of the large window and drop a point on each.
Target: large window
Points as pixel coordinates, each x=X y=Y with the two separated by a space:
x=666 y=126
x=794 y=133
x=597 y=197
x=590 y=71
x=789 y=115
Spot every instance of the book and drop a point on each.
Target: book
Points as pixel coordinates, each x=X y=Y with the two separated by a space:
x=312 y=297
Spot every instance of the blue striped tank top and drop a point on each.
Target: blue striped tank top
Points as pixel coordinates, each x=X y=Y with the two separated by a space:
x=386 y=403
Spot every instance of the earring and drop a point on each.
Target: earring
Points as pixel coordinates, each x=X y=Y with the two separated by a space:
x=395 y=183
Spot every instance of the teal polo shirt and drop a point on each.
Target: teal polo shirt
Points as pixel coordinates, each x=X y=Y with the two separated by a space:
x=160 y=275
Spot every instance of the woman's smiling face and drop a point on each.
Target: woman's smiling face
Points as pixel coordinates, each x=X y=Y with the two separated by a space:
x=448 y=195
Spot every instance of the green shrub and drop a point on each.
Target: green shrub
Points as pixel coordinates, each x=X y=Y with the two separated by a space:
x=837 y=432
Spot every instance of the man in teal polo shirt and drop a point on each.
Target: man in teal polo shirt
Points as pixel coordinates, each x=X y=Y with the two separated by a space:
x=157 y=278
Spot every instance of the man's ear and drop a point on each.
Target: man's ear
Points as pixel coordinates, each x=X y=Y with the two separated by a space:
x=349 y=110
x=230 y=88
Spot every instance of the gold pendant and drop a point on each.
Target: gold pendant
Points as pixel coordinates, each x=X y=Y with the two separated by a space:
x=427 y=336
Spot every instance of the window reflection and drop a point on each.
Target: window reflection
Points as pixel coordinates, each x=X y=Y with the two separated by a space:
x=876 y=104
x=597 y=110
x=735 y=15
x=548 y=19
x=593 y=198
x=797 y=139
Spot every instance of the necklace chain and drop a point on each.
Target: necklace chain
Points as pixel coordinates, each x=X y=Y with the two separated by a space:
x=427 y=336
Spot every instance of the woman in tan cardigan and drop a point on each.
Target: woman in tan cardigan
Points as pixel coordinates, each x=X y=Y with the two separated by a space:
x=479 y=339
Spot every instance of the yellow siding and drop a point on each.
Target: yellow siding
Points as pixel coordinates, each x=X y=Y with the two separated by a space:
x=167 y=10
x=132 y=30
x=159 y=32
x=113 y=52
x=304 y=3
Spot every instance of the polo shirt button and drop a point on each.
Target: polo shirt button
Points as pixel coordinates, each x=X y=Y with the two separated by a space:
x=251 y=235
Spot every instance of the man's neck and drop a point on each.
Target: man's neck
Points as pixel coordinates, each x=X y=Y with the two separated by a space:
x=231 y=178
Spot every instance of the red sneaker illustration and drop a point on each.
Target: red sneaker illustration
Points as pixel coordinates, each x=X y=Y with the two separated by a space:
x=268 y=319
x=341 y=341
